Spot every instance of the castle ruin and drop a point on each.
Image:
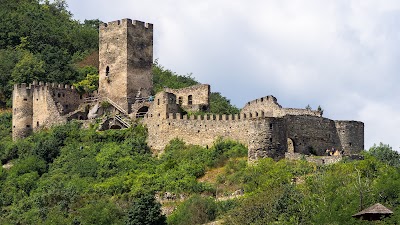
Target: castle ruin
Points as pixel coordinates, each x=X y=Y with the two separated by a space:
x=125 y=94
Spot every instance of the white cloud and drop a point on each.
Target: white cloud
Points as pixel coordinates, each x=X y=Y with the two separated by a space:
x=342 y=55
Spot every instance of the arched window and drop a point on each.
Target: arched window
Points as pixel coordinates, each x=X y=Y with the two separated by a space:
x=190 y=100
x=180 y=100
x=107 y=71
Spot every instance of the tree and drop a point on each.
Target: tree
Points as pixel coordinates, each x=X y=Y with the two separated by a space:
x=320 y=110
x=145 y=210
x=196 y=210
x=28 y=69
x=386 y=154
x=89 y=84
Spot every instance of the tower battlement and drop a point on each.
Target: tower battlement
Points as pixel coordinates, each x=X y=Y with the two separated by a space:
x=127 y=22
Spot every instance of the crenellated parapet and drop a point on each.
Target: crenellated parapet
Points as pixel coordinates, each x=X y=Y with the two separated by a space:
x=128 y=23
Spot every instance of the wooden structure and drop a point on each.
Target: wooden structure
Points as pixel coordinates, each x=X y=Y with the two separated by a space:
x=375 y=212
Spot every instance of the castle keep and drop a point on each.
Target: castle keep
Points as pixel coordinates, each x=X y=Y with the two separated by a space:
x=125 y=94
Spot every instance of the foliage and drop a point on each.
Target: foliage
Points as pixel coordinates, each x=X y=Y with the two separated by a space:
x=145 y=210
x=221 y=105
x=386 y=154
x=195 y=210
x=166 y=78
x=39 y=41
x=69 y=175
x=88 y=85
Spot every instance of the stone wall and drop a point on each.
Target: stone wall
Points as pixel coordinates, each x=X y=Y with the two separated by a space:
x=40 y=105
x=269 y=107
x=193 y=98
x=311 y=134
x=140 y=58
x=199 y=130
x=266 y=138
x=319 y=160
x=125 y=61
x=351 y=135
x=22 y=111
x=264 y=135
x=266 y=105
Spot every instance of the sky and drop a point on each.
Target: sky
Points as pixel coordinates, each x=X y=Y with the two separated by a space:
x=342 y=55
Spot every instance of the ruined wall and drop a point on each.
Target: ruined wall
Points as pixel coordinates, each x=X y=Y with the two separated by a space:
x=125 y=60
x=312 y=134
x=39 y=105
x=267 y=105
x=319 y=160
x=193 y=98
x=22 y=111
x=52 y=102
x=264 y=136
x=351 y=135
x=199 y=130
x=270 y=107
x=267 y=138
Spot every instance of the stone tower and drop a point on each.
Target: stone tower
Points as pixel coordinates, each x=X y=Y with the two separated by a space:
x=22 y=111
x=126 y=58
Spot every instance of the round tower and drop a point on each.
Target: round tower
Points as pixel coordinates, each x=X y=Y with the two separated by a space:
x=351 y=136
x=267 y=138
x=22 y=111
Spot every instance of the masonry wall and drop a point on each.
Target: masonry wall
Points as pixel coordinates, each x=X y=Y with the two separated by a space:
x=270 y=107
x=200 y=97
x=312 y=134
x=52 y=103
x=351 y=135
x=125 y=61
x=140 y=58
x=40 y=105
x=266 y=105
x=22 y=111
x=266 y=138
x=199 y=130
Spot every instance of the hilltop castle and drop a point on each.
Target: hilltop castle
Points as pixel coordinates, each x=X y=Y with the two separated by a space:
x=125 y=93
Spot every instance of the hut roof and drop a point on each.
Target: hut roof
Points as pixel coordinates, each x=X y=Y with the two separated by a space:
x=375 y=209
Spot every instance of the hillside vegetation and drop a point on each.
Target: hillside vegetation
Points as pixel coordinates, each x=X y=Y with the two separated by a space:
x=71 y=175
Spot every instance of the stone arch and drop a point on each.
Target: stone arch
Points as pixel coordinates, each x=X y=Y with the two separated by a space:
x=290 y=146
x=142 y=112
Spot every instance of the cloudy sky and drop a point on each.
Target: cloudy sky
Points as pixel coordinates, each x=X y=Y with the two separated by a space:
x=343 y=54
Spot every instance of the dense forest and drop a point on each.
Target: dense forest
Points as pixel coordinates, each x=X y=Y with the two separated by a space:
x=71 y=175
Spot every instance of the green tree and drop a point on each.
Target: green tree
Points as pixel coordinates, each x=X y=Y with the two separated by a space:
x=28 y=69
x=145 y=210
x=221 y=105
x=88 y=85
x=195 y=210
x=386 y=154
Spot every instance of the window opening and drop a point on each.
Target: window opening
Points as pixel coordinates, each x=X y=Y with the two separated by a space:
x=180 y=100
x=190 y=100
x=107 y=71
